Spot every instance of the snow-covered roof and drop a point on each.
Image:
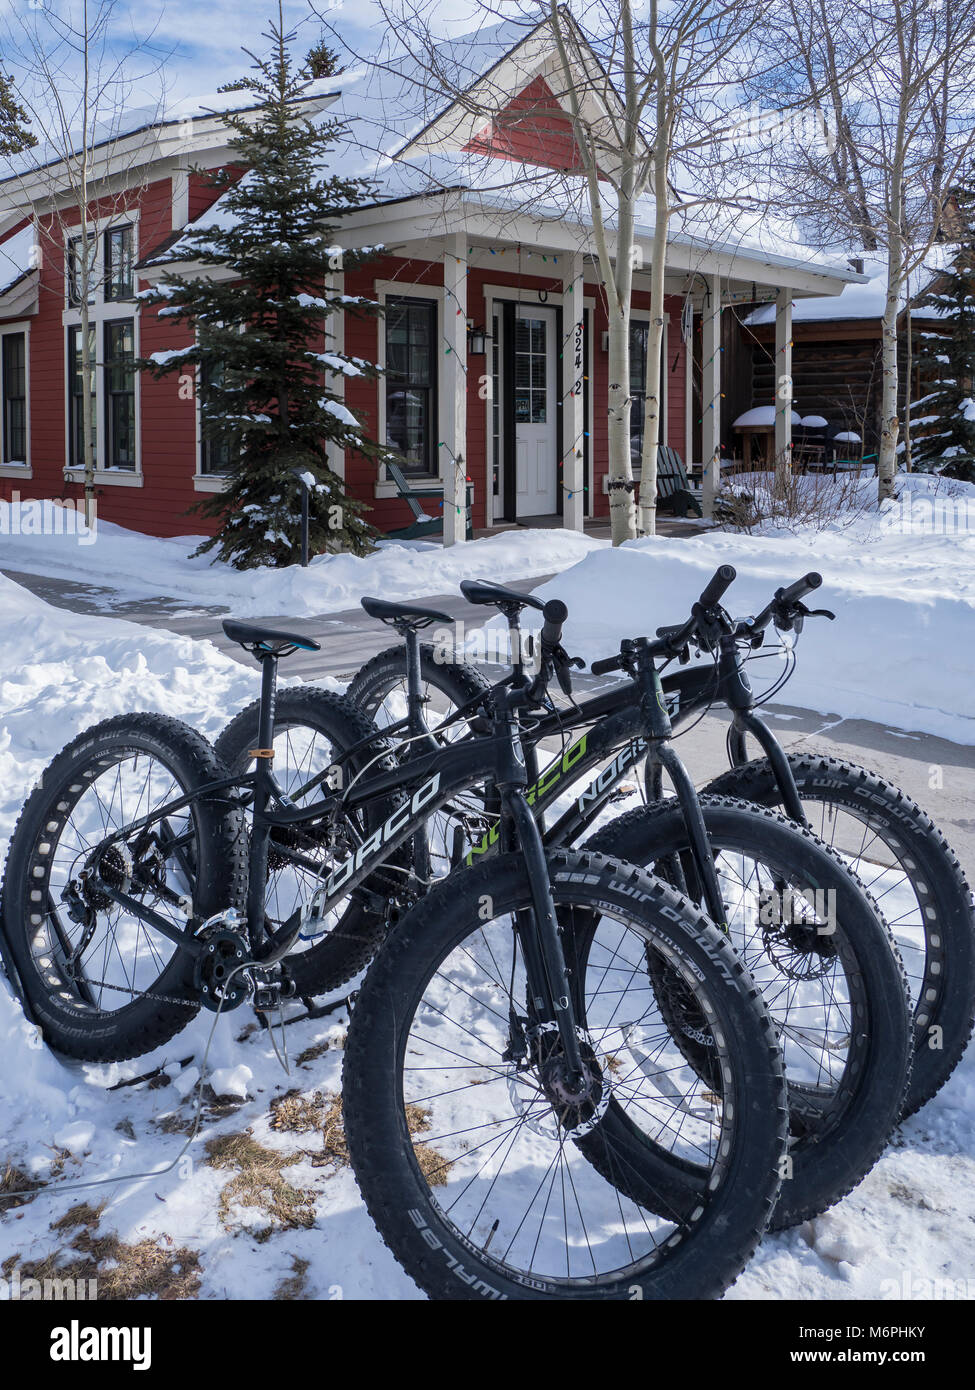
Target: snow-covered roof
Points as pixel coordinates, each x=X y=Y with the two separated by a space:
x=863 y=301
x=386 y=106
x=133 y=120
x=760 y=417
x=17 y=257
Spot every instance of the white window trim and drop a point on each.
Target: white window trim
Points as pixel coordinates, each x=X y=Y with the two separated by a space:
x=393 y=289
x=203 y=482
x=643 y=316
x=100 y=312
x=18 y=470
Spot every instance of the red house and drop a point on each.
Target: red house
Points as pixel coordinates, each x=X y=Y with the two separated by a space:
x=493 y=340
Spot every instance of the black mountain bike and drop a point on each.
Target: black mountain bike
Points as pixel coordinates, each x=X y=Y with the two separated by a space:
x=882 y=834
x=797 y=915
x=511 y=1075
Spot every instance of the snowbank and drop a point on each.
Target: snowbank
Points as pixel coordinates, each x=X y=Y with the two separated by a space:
x=142 y=566
x=902 y=586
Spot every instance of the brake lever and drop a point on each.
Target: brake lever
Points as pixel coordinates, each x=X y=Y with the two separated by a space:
x=563 y=664
x=793 y=622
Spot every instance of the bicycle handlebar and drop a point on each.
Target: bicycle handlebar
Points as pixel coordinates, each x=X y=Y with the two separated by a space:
x=609 y=663
x=554 y=614
x=786 y=608
x=716 y=587
x=784 y=600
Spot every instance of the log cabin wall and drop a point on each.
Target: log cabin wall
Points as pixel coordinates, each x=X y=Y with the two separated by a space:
x=836 y=373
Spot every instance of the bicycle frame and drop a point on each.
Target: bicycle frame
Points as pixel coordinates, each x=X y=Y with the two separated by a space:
x=427 y=782
x=618 y=740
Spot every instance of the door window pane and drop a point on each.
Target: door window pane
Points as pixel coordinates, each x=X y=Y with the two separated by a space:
x=531 y=371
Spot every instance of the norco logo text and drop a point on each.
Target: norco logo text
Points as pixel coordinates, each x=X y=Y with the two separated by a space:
x=612 y=772
x=386 y=832
x=549 y=779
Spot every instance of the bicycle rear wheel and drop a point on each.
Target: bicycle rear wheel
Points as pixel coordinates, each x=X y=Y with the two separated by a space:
x=833 y=984
x=101 y=982
x=313 y=732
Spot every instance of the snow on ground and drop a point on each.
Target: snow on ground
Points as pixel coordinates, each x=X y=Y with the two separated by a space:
x=140 y=566
x=60 y=1120
x=233 y=1222
x=902 y=586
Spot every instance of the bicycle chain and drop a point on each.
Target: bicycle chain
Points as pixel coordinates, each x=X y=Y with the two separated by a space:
x=140 y=993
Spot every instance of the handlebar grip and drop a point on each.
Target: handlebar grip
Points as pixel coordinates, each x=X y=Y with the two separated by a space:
x=554 y=614
x=800 y=588
x=609 y=663
x=722 y=579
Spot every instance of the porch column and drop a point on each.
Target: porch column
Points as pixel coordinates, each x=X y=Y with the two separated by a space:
x=453 y=393
x=689 y=397
x=711 y=392
x=573 y=389
x=335 y=328
x=783 y=377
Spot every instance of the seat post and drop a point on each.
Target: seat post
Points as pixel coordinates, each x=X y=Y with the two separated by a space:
x=414 y=695
x=260 y=829
x=269 y=682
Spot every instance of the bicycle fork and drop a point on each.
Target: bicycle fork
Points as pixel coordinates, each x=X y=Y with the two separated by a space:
x=549 y=993
x=737 y=693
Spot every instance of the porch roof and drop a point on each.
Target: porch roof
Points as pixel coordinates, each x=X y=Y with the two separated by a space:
x=866 y=299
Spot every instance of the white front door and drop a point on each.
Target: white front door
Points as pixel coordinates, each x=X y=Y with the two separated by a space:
x=536 y=410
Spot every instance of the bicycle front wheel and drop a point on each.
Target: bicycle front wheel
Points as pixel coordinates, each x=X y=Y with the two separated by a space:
x=471 y=1150
x=906 y=863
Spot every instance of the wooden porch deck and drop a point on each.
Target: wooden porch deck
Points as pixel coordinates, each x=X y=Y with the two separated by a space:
x=598 y=527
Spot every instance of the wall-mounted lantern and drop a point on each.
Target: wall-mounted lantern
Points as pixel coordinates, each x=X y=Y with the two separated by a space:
x=476 y=342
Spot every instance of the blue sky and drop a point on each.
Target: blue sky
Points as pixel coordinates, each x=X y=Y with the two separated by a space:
x=195 y=45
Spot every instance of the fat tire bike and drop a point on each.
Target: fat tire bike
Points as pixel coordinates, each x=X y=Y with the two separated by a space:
x=892 y=845
x=835 y=990
x=489 y=1085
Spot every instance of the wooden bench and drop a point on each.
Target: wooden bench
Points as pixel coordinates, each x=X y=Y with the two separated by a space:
x=424 y=526
x=674 y=490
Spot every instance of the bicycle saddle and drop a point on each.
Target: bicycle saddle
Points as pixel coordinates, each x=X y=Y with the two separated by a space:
x=268 y=639
x=405 y=614
x=479 y=591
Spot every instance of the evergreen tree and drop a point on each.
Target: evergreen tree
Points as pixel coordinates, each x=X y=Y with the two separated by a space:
x=14 y=135
x=266 y=369
x=944 y=430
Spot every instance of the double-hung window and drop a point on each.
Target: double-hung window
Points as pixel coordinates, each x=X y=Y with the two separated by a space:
x=215 y=446
x=13 y=380
x=639 y=338
x=118 y=263
x=77 y=391
x=411 y=383
x=120 y=395
x=82 y=269
x=100 y=283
